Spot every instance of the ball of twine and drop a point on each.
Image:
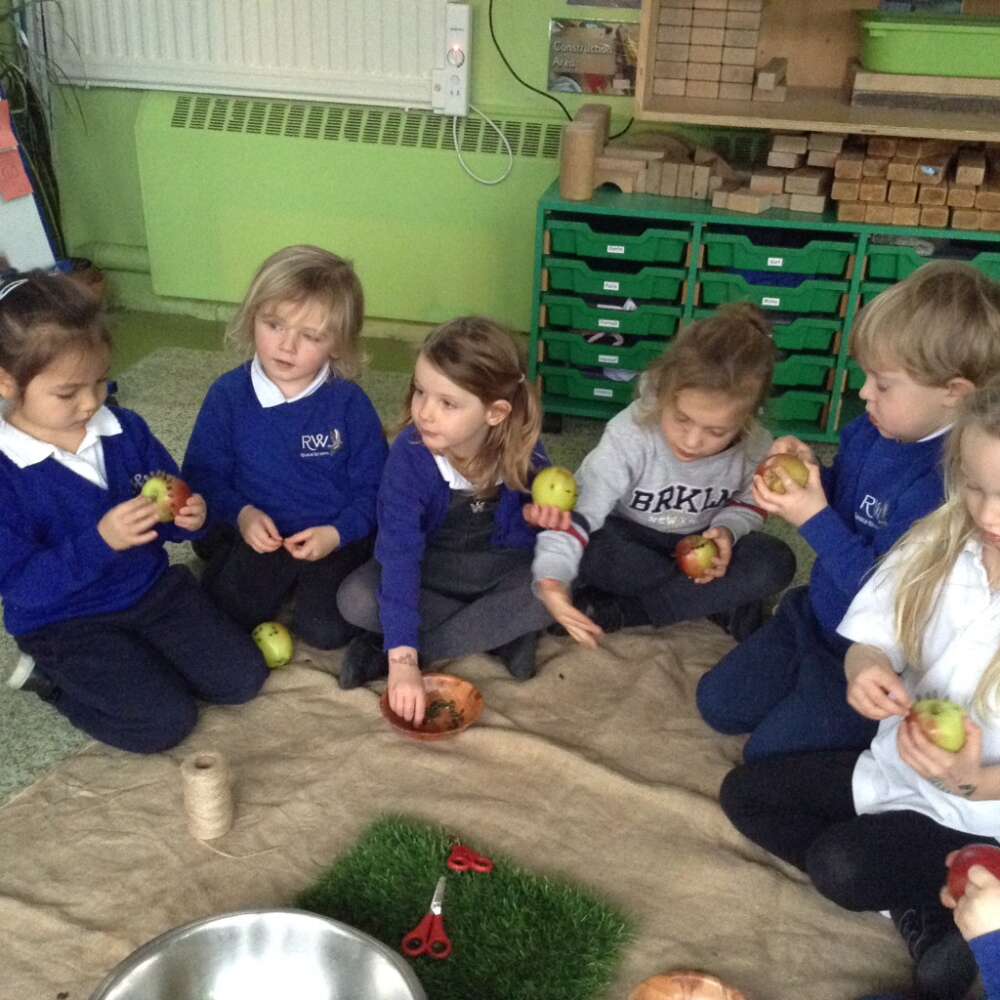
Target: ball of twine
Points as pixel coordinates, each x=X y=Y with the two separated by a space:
x=208 y=795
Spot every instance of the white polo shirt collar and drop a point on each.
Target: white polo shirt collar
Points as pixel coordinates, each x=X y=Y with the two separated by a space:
x=268 y=394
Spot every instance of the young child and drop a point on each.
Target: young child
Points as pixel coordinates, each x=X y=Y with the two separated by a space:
x=122 y=645
x=872 y=829
x=289 y=451
x=452 y=569
x=977 y=916
x=924 y=344
x=678 y=461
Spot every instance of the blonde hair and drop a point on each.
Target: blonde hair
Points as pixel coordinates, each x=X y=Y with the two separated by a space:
x=936 y=541
x=301 y=274
x=729 y=352
x=482 y=357
x=941 y=323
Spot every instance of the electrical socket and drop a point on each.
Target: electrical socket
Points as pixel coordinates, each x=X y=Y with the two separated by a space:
x=450 y=83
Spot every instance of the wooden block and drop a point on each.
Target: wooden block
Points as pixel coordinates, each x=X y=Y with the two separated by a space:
x=849 y=165
x=772 y=73
x=675 y=35
x=933 y=217
x=770 y=96
x=815 y=203
x=873 y=190
x=699 y=181
x=740 y=39
x=786 y=142
x=746 y=4
x=768 y=180
x=670 y=70
x=654 y=176
x=808 y=180
x=989 y=221
x=906 y=215
x=878 y=214
x=704 y=71
x=782 y=200
x=676 y=16
x=988 y=196
x=789 y=161
x=909 y=149
x=751 y=202
x=851 y=211
x=901 y=170
x=882 y=147
x=672 y=53
x=826 y=143
x=627 y=175
x=965 y=218
x=676 y=3
x=961 y=197
x=702 y=88
x=668 y=178
x=970 y=170
x=705 y=54
x=735 y=91
x=745 y=19
x=711 y=4
x=685 y=180
x=902 y=193
x=715 y=182
x=737 y=74
x=720 y=199
x=738 y=57
x=664 y=87
x=874 y=166
x=933 y=169
x=842 y=190
x=709 y=19
x=707 y=36
x=820 y=158
x=932 y=194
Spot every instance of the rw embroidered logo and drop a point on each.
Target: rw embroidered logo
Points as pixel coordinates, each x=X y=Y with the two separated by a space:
x=314 y=445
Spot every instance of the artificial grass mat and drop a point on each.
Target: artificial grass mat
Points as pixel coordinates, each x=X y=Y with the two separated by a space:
x=514 y=934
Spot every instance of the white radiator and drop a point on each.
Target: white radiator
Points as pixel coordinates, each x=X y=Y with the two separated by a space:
x=370 y=51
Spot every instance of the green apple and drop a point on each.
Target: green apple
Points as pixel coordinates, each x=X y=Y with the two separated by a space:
x=554 y=487
x=794 y=466
x=168 y=492
x=942 y=721
x=275 y=642
x=695 y=555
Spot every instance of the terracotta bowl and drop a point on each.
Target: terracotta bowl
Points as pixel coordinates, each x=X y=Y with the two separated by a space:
x=453 y=704
x=685 y=986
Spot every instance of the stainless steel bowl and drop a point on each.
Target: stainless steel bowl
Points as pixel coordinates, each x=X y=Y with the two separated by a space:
x=262 y=955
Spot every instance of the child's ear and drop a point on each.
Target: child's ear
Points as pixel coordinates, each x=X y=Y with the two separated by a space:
x=957 y=389
x=497 y=412
x=8 y=385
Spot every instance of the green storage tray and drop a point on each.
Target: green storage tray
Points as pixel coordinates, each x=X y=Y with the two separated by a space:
x=577 y=239
x=737 y=251
x=803 y=370
x=569 y=382
x=573 y=349
x=807 y=333
x=855 y=375
x=564 y=310
x=569 y=275
x=888 y=263
x=796 y=404
x=930 y=45
x=812 y=296
x=872 y=289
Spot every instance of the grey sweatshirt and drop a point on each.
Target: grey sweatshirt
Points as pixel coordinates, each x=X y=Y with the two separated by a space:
x=633 y=473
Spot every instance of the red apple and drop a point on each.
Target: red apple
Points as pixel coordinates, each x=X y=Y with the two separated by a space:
x=168 y=492
x=987 y=855
x=793 y=465
x=942 y=721
x=695 y=555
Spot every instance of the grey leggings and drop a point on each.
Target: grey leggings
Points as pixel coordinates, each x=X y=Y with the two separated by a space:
x=451 y=626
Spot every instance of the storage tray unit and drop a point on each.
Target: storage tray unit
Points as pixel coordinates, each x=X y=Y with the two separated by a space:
x=817 y=257
x=580 y=239
x=567 y=274
x=894 y=263
x=811 y=296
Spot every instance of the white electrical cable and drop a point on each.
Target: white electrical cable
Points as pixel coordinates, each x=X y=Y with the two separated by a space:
x=503 y=139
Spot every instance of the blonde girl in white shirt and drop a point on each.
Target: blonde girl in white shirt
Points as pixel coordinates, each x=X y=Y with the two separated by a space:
x=872 y=828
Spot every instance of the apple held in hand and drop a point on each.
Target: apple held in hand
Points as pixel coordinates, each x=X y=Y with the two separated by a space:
x=554 y=487
x=275 y=642
x=168 y=492
x=695 y=555
x=942 y=721
x=795 y=467
x=987 y=855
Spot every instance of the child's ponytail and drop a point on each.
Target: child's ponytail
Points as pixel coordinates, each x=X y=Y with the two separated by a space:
x=517 y=436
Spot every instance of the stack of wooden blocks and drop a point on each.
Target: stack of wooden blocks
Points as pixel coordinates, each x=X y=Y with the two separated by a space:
x=707 y=48
x=798 y=176
x=918 y=182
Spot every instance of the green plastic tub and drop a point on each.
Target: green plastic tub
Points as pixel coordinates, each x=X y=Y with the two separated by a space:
x=575 y=384
x=855 y=375
x=740 y=252
x=888 y=263
x=803 y=370
x=666 y=246
x=807 y=333
x=872 y=289
x=796 y=405
x=569 y=275
x=930 y=45
x=567 y=311
x=572 y=348
x=812 y=296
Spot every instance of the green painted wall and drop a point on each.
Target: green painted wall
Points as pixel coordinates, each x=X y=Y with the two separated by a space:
x=97 y=161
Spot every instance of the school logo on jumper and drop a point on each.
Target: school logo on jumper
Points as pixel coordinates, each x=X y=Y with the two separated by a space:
x=315 y=445
x=872 y=512
x=676 y=503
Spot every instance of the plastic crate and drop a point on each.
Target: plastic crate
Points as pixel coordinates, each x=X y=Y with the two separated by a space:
x=575 y=313
x=871 y=290
x=575 y=384
x=817 y=257
x=889 y=263
x=804 y=333
x=804 y=370
x=811 y=296
x=796 y=405
x=572 y=347
x=855 y=375
x=569 y=275
x=578 y=239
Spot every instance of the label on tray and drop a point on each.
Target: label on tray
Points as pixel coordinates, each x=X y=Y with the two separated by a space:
x=610 y=324
x=612 y=286
x=607 y=359
x=604 y=393
x=615 y=248
x=775 y=261
x=770 y=300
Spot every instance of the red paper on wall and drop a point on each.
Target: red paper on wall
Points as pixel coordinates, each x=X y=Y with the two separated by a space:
x=14 y=182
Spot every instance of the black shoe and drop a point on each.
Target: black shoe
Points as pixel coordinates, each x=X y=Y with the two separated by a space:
x=518 y=655
x=945 y=967
x=740 y=622
x=364 y=661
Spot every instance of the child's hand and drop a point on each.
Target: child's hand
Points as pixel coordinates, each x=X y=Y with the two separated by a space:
x=978 y=911
x=876 y=692
x=798 y=503
x=130 y=524
x=957 y=773
x=554 y=594
x=791 y=445
x=192 y=515
x=312 y=544
x=407 y=697
x=547 y=518
x=258 y=530
x=723 y=539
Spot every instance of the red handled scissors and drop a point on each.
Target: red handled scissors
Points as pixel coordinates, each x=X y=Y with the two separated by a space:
x=462 y=859
x=429 y=937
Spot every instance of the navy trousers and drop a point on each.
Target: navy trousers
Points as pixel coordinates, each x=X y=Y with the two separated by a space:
x=785 y=686
x=132 y=679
